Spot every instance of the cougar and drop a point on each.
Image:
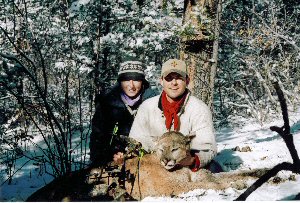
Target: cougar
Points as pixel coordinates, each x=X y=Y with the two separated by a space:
x=151 y=175
x=154 y=174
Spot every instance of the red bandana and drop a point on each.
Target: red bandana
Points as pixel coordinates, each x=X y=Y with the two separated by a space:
x=171 y=110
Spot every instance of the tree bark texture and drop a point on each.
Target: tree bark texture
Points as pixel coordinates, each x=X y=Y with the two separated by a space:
x=200 y=49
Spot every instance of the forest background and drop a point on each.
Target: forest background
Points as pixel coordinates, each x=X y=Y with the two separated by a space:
x=56 y=56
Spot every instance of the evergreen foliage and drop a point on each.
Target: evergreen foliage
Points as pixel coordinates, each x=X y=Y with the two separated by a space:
x=259 y=45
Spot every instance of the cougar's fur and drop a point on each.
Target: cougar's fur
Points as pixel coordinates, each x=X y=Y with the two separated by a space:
x=150 y=177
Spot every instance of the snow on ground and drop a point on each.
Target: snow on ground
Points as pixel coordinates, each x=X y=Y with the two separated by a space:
x=266 y=150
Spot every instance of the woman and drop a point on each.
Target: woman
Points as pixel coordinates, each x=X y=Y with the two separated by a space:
x=116 y=110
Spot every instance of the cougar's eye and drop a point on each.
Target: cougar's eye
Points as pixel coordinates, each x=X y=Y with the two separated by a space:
x=160 y=150
x=175 y=149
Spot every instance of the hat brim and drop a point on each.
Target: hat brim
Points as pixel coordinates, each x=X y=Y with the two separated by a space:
x=131 y=76
x=183 y=74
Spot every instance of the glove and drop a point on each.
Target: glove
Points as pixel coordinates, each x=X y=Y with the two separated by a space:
x=190 y=161
x=187 y=161
x=196 y=165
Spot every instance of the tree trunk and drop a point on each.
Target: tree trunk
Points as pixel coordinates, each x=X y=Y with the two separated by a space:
x=199 y=49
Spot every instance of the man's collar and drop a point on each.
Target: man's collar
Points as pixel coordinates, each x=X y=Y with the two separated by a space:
x=182 y=106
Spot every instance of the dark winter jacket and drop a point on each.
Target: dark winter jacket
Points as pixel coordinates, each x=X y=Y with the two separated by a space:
x=111 y=113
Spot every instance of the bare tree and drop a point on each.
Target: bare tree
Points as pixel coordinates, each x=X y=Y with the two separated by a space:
x=51 y=101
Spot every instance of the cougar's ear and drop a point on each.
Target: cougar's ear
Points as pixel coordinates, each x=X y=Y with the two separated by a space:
x=156 y=139
x=189 y=137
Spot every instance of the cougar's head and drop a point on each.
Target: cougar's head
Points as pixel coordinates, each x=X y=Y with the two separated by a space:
x=172 y=147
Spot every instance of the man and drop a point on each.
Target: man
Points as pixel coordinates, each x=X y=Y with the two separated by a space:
x=115 y=112
x=176 y=110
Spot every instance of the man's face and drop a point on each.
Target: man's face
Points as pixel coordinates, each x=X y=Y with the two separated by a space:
x=131 y=87
x=174 y=85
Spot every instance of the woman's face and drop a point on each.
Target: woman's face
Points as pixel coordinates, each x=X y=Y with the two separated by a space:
x=131 y=87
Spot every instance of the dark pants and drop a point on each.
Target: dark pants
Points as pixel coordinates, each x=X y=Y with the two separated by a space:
x=214 y=167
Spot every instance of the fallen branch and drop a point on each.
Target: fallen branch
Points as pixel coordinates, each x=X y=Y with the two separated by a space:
x=10 y=176
x=284 y=132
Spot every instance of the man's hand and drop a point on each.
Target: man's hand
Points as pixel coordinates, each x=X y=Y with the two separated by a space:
x=119 y=158
x=187 y=161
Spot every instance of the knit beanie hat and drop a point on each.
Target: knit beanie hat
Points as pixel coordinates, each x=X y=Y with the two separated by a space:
x=131 y=70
